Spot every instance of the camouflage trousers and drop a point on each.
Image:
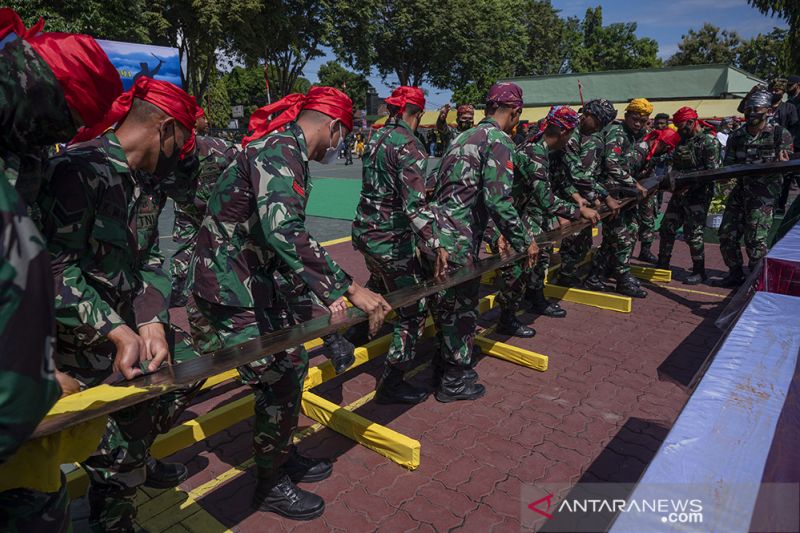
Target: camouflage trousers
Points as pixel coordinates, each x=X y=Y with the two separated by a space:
x=619 y=236
x=688 y=209
x=646 y=215
x=573 y=250
x=390 y=275
x=455 y=313
x=748 y=214
x=30 y=511
x=277 y=380
x=118 y=468
x=178 y=270
x=517 y=280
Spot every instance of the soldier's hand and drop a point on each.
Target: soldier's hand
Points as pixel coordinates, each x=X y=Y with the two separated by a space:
x=130 y=349
x=563 y=221
x=533 y=255
x=339 y=306
x=371 y=303
x=580 y=200
x=590 y=214
x=642 y=190
x=440 y=266
x=68 y=384
x=155 y=342
x=613 y=205
x=783 y=156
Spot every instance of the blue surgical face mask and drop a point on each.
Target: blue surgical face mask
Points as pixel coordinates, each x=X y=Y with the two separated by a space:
x=332 y=152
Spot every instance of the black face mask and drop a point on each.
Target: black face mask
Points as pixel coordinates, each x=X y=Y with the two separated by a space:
x=754 y=119
x=166 y=164
x=776 y=98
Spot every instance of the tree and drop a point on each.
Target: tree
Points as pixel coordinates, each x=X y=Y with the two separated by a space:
x=705 y=46
x=119 y=20
x=217 y=103
x=285 y=35
x=614 y=47
x=353 y=84
x=549 y=39
x=765 y=56
x=789 y=10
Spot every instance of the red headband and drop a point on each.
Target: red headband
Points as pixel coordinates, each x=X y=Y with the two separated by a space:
x=327 y=100
x=10 y=22
x=200 y=113
x=684 y=114
x=168 y=97
x=667 y=136
x=407 y=95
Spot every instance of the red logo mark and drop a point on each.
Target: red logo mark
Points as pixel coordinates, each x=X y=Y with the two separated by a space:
x=298 y=189
x=510 y=165
x=618 y=150
x=533 y=506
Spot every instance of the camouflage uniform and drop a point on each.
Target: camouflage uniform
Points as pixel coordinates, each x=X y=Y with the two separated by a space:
x=33 y=113
x=539 y=207
x=689 y=207
x=748 y=209
x=579 y=161
x=474 y=183
x=195 y=179
x=100 y=219
x=619 y=162
x=392 y=220
x=255 y=221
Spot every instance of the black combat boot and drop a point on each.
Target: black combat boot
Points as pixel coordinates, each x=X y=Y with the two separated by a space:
x=438 y=369
x=340 y=352
x=278 y=494
x=392 y=388
x=627 y=286
x=646 y=255
x=509 y=325
x=734 y=278
x=540 y=305
x=594 y=283
x=663 y=262
x=164 y=475
x=698 y=275
x=302 y=469
x=455 y=386
x=568 y=280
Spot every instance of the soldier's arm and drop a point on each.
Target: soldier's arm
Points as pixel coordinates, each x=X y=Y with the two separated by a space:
x=498 y=176
x=411 y=188
x=542 y=192
x=281 y=212
x=68 y=214
x=151 y=303
x=26 y=328
x=615 y=162
x=581 y=181
x=713 y=153
x=730 y=151
x=787 y=141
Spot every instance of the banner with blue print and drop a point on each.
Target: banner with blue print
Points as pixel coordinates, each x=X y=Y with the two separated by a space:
x=134 y=60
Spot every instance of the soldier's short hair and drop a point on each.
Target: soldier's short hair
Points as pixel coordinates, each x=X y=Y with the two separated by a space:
x=145 y=111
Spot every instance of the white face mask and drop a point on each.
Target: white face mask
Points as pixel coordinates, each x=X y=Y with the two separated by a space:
x=333 y=151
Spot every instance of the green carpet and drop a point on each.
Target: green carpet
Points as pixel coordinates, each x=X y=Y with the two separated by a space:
x=334 y=198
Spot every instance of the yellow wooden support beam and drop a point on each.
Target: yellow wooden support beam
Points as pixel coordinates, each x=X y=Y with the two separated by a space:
x=659 y=275
x=380 y=439
x=511 y=353
x=363 y=354
x=603 y=300
x=213 y=381
x=486 y=303
x=488 y=278
x=595 y=232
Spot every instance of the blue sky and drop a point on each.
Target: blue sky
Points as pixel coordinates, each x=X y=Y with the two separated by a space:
x=664 y=21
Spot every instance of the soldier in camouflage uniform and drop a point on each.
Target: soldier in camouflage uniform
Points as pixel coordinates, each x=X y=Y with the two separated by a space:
x=474 y=183
x=465 y=119
x=39 y=106
x=393 y=224
x=579 y=163
x=255 y=222
x=697 y=150
x=542 y=211
x=748 y=209
x=617 y=168
x=100 y=204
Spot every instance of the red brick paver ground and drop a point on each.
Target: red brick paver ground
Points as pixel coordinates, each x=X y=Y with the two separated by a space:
x=612 y=391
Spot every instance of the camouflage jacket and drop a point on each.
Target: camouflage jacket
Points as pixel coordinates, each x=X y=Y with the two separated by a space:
x=533 y=194
x=255 y=219
x=618 y=159
x=33 y=113
x=100 y=219
x=580 y=157
x=393 y=214
x=474 y=183
x=763 y=147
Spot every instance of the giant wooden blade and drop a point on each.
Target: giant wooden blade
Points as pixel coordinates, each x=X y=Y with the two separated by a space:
x=174 y=377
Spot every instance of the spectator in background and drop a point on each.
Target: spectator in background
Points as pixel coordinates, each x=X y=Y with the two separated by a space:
x=793 y=90
x=432 y=142
x=723 y=132
x=661 y=121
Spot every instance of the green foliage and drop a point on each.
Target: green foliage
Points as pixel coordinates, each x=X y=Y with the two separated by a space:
x=547 y=39
x=789 y=10
x=765 y=56
x=707 y=45
x=217 y=104
x=353 y=84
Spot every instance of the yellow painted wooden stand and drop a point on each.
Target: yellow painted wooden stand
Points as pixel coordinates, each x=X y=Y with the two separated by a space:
x=603 y=300
x=512 y=354
x=658 y=275
x=380 y=439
